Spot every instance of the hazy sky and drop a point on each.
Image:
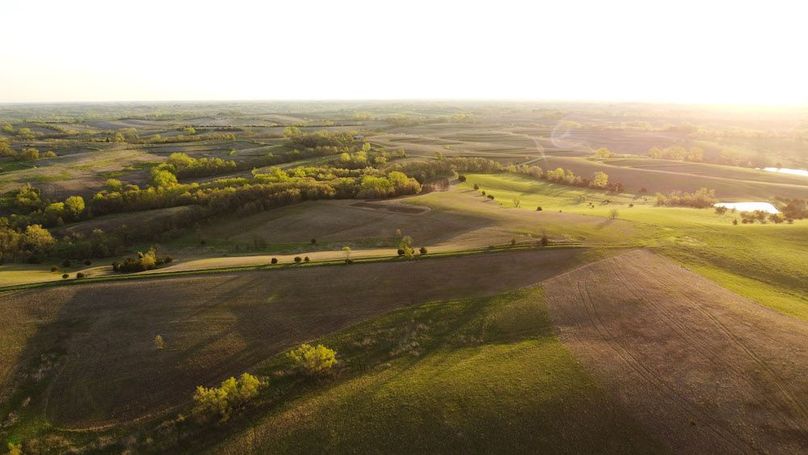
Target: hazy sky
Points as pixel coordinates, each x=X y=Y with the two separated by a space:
x=681 y=51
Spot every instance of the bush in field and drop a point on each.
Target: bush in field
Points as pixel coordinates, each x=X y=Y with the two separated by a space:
x=306 y=259
x=298 y=259
x=159 y=343
x=613 y=213
x=405 y=247
x=544 y=240
x=144 y=261
x=221 y=402
x=313 y=360
x=65 y=276
x=422 y=250
x=80 y=275
x=274 y=260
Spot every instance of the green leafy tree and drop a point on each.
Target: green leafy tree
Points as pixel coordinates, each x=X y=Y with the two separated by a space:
x=74 y=206
x=163 y=178
x=603 y=152
x=29 y=154
x=25 y=133
x=600 y=180
x=313 y=360
x=405 y=246
x=113 y=184
x=230 y=396
x=291 y=131
x=38 y=240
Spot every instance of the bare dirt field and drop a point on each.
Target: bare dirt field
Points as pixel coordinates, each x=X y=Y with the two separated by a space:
x=706 y=370
x=101 y=365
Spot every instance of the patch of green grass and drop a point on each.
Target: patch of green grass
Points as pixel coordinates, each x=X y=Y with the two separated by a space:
x=468 y=376
x=767 y=263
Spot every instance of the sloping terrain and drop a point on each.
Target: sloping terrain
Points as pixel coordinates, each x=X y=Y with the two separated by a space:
x=91 y=346
x=707 y=371
x=484 y=375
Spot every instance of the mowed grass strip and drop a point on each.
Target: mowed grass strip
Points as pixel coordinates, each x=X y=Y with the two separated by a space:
x=483 y=375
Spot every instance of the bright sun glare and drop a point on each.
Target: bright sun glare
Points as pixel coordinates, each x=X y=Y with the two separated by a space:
x=687 y=51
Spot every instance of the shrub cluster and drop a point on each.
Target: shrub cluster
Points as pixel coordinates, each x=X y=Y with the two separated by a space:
x=221 y=402
x=702 y=198
x=313 y=360
x=144 y=261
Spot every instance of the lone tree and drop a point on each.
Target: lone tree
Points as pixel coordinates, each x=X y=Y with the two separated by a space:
x=405 y=247
x=347 y=250
x=313 y=360
x=516 y=202
x=159 y=343
x=613 y=214
x=544 y=241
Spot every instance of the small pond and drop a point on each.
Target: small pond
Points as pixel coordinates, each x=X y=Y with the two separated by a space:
x=748 y=206
x=783 y=170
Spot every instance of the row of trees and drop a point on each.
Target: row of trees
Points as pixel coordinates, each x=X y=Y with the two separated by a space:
x=184 y=165
x=701 y=198
x=678 y=153
x=795 y=209
x=28 y=207
x=599 y=180
x=221 y=403
x=25 y=154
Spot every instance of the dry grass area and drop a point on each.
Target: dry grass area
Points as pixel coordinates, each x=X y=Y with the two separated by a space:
x=90 y=348
x=341 y=220
x=706 y=370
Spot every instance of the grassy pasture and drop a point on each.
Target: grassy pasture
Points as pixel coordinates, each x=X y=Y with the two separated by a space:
x=768 y=263
x=723 y=179
x=466 y=375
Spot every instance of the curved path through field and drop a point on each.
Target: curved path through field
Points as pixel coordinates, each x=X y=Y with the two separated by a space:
x=706 y=370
